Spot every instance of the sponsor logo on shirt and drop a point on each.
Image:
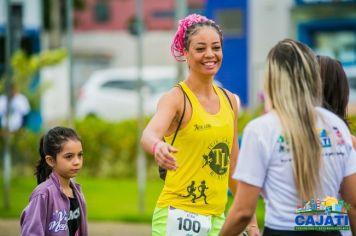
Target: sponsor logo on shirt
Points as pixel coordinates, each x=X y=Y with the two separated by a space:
x=283 y=144
x=201 y=127
x=218 y=158
x=339 y=138
x=325 y=139
x=327 y=214
x=193 y=191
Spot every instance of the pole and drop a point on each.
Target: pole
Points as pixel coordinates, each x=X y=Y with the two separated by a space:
x=7 y=144
x=180 y=13
x=141 y=160
x=69 y=22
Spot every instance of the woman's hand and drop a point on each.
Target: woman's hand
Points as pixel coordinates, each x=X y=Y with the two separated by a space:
x=163 y=156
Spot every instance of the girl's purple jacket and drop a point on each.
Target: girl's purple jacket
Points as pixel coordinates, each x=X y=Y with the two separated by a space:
x=48 y=210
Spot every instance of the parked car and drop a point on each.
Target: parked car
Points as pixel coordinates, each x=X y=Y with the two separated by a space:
x=111 y=93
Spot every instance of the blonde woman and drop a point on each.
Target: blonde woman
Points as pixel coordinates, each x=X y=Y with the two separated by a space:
x=296 y=153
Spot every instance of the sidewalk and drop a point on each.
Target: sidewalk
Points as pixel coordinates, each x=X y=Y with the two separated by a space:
x=12 y=228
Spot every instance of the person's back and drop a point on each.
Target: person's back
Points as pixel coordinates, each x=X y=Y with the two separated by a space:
x=299 y=156
x=278 y=188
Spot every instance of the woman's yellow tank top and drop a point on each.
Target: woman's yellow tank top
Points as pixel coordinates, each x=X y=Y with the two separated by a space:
x=200 y=183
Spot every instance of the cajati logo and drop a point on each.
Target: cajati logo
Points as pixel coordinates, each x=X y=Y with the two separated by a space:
x=326 y=214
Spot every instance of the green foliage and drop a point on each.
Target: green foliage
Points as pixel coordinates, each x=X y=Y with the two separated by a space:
x=352 y=123
x=24 y=151
x=24 y=67
x=110 y=149
x=246 y=116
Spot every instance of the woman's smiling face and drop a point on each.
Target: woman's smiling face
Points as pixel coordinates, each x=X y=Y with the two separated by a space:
x=204 y=55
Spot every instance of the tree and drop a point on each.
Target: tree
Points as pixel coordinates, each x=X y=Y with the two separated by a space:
x=24 y=68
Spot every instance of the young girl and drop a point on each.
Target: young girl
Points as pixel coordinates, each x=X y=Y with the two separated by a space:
x=57 y=205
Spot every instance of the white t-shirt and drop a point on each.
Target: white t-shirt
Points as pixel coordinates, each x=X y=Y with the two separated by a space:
x=19 y=107
x=264 y=161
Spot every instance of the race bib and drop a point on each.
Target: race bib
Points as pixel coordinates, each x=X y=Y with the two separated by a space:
x=185 y=223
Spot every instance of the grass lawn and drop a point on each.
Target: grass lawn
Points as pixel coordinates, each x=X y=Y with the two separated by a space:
x=107 y=199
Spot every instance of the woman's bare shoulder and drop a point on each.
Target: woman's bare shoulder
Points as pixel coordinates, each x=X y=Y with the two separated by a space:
x=173 y=97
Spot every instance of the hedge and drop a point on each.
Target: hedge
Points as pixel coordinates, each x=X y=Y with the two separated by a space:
x=109 y=148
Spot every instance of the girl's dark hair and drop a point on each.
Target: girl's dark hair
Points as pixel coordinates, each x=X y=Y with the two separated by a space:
x=335 y=86
x=51 y=144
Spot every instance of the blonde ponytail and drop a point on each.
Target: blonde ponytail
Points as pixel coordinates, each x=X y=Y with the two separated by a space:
x=293 y=87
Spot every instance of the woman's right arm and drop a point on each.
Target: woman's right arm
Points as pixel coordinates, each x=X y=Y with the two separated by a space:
x=159 y=125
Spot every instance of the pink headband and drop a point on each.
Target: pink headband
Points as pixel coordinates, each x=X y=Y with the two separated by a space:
x=177 y=46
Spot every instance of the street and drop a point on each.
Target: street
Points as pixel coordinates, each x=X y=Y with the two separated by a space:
x=12 y=228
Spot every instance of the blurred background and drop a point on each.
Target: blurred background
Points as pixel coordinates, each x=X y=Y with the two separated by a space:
x=100 y=66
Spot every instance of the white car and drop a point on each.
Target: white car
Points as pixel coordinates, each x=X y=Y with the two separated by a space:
x=111 y=94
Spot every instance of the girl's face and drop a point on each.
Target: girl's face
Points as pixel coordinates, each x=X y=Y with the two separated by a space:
x=70 y=160
x=204 y=54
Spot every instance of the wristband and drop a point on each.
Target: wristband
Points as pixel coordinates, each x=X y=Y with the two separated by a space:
x=154 y=146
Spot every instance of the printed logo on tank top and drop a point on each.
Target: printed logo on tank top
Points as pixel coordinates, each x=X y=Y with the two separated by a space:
x=196 y=192
x=201 y=127
x=217 y=158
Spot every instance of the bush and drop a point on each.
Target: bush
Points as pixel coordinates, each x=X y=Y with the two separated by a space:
x=109 y=148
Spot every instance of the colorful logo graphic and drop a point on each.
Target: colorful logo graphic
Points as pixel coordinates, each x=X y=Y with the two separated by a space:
x=327 y=214
x=218 y=159
x=339 y=138
x=325 y=139
x=283 y=144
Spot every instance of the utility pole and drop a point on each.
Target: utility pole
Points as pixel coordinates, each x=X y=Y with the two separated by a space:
x=55 y=37
x=69 y=23
x=141 y=160
x=7 y=154
x=12 y=41
x=180 y=13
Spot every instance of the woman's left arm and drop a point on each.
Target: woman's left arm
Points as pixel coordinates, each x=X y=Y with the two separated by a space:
x=242 y=210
